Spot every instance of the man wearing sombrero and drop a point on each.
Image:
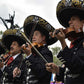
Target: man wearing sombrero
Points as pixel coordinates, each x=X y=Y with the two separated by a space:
x=13 y=42
x=70 y=13
x=37 y=30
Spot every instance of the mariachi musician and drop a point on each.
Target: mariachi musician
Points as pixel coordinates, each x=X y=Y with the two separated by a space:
x=37 y=30
x=70 y=14
x=12 y=42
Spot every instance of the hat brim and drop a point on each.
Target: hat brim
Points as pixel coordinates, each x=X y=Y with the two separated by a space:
x=65 y=15
x=31 y=23
x=29 y=31
x=7 y=40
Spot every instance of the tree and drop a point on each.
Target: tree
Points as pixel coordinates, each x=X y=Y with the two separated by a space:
x=1 y=32
x=55 y=51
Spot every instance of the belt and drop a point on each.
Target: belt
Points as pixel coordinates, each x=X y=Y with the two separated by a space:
x=73 y=75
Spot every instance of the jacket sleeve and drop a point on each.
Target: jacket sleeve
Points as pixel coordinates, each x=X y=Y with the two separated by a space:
x=9 y=69
x=74 y=60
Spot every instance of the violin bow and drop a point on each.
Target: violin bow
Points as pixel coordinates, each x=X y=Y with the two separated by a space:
x=32 y=45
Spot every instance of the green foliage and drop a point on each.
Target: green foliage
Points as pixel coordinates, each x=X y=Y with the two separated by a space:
x=57 y=61
x=1 y=32
x=55 y=51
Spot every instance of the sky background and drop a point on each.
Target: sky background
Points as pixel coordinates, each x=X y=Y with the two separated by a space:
x=23 y=8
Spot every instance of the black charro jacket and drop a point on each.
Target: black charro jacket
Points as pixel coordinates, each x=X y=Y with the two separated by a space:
x=8 y=72
x=36 y=69
x=74 y=61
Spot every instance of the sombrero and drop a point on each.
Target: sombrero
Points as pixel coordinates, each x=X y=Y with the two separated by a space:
x=11 y=35
x=34 y=22
x=67 y=8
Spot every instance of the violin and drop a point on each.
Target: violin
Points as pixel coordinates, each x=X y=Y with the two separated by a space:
x=71 y=32
x=4 y=59
x=35 y=44
x=5 y=56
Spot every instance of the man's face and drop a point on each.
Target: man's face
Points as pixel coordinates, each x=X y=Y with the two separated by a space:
x=37 y=37
x=15 y=48
x=76 y=23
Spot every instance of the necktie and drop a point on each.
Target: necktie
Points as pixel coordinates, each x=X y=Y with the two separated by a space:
x=10 y=60
x=71 y=45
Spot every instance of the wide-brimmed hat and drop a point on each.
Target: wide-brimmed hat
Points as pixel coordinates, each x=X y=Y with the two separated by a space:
x=68 y=8
x=11 y=35
x=34 y=22
x=2 y=48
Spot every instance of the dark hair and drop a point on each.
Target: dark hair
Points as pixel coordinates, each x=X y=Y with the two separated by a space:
x=19 y=40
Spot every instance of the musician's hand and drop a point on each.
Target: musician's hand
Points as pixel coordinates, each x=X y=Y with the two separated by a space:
x=51 y=67
x=16 y=72
x=27 y=49
x=60 y=35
